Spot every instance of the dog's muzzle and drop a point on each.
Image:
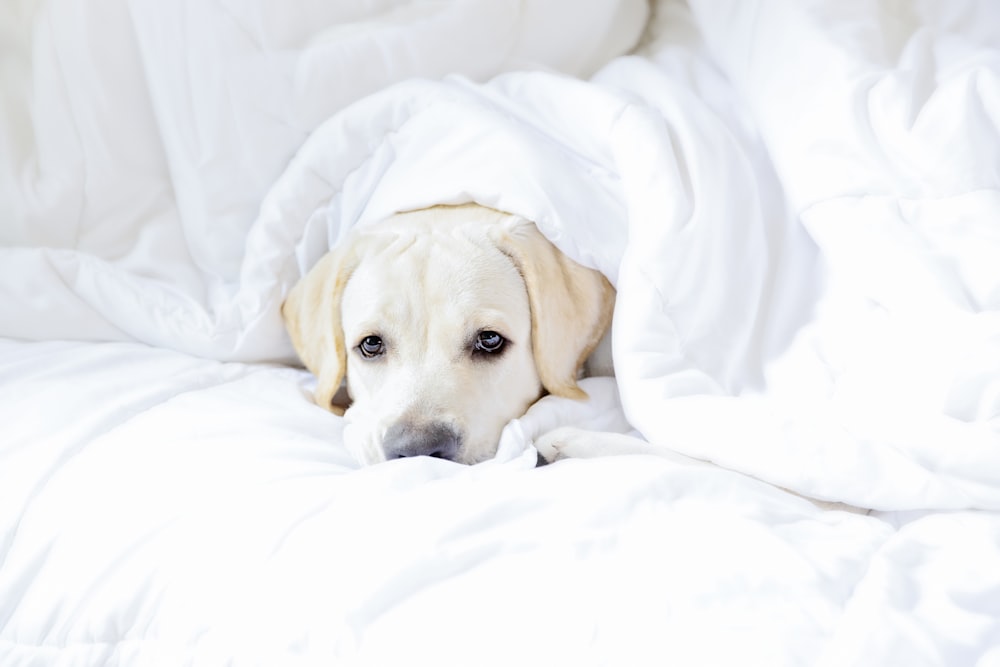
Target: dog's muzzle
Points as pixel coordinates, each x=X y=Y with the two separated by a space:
x=405 y=439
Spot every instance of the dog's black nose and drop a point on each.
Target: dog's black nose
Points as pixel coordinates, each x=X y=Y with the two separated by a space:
x=405 y=439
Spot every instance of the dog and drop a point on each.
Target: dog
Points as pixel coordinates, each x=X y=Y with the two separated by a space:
x=447 y=322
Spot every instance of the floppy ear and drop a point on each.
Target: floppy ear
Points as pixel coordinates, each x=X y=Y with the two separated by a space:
x=312 y=317
x=571 y=306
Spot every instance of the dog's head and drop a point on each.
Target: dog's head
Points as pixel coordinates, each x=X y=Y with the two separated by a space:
x=447 y=322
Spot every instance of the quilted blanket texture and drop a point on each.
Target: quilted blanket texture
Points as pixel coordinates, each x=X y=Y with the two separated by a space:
x=798 y=203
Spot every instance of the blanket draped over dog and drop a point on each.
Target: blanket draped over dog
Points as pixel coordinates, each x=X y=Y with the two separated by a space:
x=798 y=204
x=735 y=340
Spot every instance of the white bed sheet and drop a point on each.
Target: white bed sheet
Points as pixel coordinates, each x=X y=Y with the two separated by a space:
x=185 y=511
x=796 y=201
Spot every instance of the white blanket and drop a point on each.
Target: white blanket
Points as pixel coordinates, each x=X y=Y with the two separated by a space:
x=796 y=201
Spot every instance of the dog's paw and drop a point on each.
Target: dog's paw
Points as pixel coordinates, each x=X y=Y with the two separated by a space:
x=570 y=442
x=550 y=444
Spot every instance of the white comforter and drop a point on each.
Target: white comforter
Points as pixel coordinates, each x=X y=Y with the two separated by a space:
x=797 y=201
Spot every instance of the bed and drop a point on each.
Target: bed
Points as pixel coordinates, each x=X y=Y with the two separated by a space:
x=796 y=201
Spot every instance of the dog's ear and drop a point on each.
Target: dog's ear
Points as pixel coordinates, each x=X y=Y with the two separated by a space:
x=312 y=316
x=571 y=306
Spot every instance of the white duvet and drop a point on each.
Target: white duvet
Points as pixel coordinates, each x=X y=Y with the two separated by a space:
x=797 y=201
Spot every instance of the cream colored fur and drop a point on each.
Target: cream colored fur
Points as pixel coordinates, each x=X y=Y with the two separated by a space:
x=426 y=283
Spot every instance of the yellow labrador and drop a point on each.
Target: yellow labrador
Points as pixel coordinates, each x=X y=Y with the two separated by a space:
x=447 y=323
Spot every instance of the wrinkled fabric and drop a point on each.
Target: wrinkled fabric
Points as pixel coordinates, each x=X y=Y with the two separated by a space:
x=796 y=202
x=138 y=139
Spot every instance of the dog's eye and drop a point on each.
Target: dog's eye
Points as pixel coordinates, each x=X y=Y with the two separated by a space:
x=489 y=342
x=371 y=346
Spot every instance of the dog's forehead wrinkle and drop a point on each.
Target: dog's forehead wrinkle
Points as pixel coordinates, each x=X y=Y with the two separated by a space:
x=462 y=273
